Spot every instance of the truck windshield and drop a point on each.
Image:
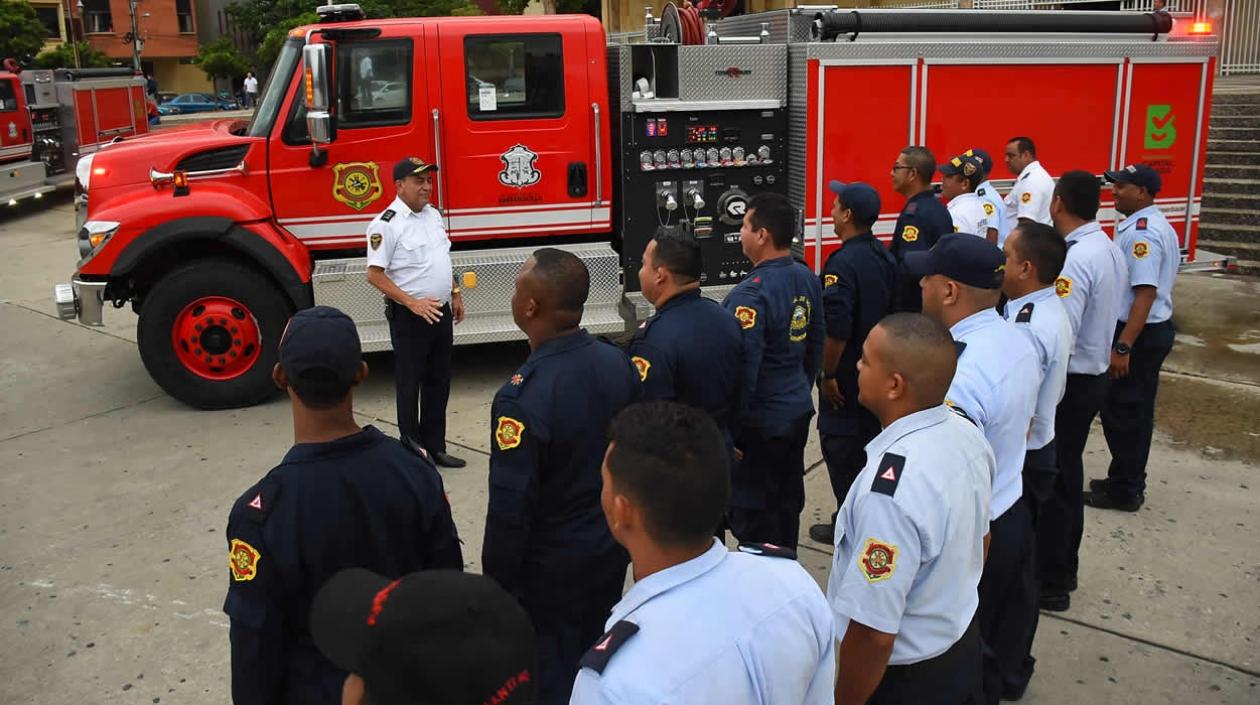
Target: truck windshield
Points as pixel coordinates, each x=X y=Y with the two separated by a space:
x=277 y=83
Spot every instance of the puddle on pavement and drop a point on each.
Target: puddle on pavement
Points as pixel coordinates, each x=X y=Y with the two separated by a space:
x=1216 y=420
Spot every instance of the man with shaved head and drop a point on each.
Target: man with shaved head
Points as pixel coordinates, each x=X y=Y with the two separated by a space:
x=546 y=539
x=911 y=535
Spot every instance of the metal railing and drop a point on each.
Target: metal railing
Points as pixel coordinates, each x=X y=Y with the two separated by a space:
x=1240 y=37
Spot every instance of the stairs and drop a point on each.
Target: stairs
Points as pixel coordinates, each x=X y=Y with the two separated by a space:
x=1229 y=222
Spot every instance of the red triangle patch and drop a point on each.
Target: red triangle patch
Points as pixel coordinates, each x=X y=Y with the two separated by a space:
x=256 y=502
x=889 y=475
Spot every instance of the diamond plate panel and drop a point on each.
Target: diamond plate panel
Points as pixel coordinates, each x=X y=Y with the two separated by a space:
x=785 y=26
x=643 y=308
x=798 y=124
x=488 y=311
x=619 y=88
x=703 y=72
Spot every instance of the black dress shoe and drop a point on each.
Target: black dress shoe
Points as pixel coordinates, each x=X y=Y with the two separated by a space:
x=1056 y=601
x=1100 y=484
x=823 y=533
x=1105 y=500
x=447 y=460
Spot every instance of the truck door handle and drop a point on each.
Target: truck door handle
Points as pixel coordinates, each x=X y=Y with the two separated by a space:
x=577 y=179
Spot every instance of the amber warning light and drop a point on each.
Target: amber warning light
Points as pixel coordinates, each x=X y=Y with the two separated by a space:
x=1201 y=28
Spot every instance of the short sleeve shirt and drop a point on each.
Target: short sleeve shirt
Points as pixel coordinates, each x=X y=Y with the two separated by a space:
x=968 y=214
x=994 y=210
x=1150 y=247
x=1042 y=317
x=1091 y=287
x=413 y=249
x=1030 y=197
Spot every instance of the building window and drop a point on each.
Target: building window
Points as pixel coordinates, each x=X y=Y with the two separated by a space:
x=49 y=17
x=183 y=10
x=514 y=76
x=96 y=17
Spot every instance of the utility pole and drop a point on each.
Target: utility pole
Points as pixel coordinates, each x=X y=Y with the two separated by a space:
x=137 y=44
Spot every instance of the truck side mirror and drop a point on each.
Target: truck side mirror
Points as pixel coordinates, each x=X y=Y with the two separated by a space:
x=319 y=122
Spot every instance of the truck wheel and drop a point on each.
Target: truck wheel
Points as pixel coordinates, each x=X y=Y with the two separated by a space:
x=208 y=334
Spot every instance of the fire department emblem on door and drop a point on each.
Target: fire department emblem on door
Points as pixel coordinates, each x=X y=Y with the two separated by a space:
x=518 y=167
x=357 y=184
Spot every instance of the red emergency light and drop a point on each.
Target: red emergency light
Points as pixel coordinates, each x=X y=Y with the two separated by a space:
x=1201 y=28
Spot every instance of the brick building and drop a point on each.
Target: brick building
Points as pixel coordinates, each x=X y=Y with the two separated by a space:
x=168 y=29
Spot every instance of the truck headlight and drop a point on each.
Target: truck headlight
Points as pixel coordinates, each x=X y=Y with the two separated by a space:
x=94 y=234
x=83 y=170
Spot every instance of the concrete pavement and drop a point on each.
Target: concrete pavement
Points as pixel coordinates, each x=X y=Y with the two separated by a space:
x=113 y=501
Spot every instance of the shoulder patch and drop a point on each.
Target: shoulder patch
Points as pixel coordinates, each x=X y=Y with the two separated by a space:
x=878 y=560
x=1025 y=197
x=256 y=504
x=512 y=387
x=1141 y=249
x=601 y=653
x=910 y=233
x=508 y=433
x=989 y=210
x=1025 y=313
x=888 y=474
x=1063 y=285
x=829 y=280
x=243 y=560
x=641 y=364
x=1141 y=224
x=980 y=192
x=388 y=215
x=747 y=316
x=768 y=549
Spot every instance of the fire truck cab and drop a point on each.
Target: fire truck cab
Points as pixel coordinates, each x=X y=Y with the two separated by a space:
x=544 y=134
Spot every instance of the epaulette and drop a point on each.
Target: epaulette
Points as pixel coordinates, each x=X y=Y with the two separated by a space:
x=1025 y=176
x=601 y=653
x=1071 y=242
x=1141 y=224
x=768 y=549
x=888 y=474
x=959 y=347
x=980 y=192
x=388 y=215
x=961 y=412
x=1025 y=313
x=256 y=504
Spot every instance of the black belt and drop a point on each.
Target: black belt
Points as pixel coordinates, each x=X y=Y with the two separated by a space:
x=967 y=646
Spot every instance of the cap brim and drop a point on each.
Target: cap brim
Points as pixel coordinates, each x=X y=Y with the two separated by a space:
x=1118 y=177
x=948 y=170
x=339 y=615
x=836 y=186
x=920 y=264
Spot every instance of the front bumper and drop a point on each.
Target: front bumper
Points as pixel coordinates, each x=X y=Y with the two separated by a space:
x=82 y=299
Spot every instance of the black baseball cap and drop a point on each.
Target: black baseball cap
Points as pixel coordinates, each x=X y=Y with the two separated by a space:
x=320 y=350
x=1138 y=175
x=858 y=197
x=408 y=166
x=965 y=258
x=986 y=161
x=437 y=636
x=965 y=164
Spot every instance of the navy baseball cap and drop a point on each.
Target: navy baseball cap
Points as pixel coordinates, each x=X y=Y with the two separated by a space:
x=1138 y=175
x=966 y=259
x=320 y=349
x=986 y=161
x=408 y=166
x=964 y=164
x=436 y=636
x=858 y=197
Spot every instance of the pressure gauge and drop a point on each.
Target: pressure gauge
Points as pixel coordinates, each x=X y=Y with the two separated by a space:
x=726 y=156
x=645 y=161
x=659 y=157
x=738 y=155
x=672 y=155
x=712 y=156
x=763 y=154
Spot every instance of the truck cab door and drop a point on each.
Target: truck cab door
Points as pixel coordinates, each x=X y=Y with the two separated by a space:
x=516 y=125
x=380 y=105
x=15 y=124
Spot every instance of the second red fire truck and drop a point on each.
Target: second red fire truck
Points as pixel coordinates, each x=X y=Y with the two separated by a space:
x=545 y=134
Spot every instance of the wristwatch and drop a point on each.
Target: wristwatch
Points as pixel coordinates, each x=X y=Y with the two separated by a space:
x=455 y=290
x=1121 y=348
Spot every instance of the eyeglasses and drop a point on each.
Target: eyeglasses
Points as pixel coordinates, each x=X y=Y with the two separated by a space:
x=895 y=167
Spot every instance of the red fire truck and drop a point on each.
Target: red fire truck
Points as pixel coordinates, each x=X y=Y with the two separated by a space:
x=48 y=119
x=543 y=133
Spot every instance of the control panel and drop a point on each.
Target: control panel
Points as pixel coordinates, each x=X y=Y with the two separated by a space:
x=697 y=170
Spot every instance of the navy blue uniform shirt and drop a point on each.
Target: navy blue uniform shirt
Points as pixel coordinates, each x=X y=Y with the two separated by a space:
x=922 y=222
x=545 y=529
x=362 y=501
x=691 y=351
x=859 y=281
x=779 y=308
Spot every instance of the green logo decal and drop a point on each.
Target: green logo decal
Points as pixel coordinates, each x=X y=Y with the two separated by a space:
x=1161 y=133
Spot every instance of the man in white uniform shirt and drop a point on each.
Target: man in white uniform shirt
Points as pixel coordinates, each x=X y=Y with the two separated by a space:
x=409 y=260
x=1091 y=287
x=994 y=206
x=960 y=177
x=1029 y=198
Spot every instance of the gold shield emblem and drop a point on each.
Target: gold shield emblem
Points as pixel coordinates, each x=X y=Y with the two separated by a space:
x=357 y=184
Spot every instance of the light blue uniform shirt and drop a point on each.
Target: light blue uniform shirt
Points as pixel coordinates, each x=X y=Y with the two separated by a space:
x=1092 y=287
x=996 y=384
x=1042 y=317
x=725 y=627
x=910 y=535
x=994 y=209
x=1150 y=245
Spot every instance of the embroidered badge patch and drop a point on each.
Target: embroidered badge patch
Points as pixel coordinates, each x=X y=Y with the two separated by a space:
x=243 y=560
x=747 y=316
x=910 y=233
x=1063 y=287
x=642 y=365
x=1025 y=197
x=357 y=184
x=516 y=379
x=1141 y=249
x=798 y=329
x=508 y=433
x=989 y=210
x=375 y=241
x=829 y=279
x=878 y=560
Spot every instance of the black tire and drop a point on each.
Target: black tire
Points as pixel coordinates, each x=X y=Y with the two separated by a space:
x=215 y=277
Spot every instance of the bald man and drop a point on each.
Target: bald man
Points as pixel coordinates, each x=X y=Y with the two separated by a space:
x=546 y=539
x=912 y=531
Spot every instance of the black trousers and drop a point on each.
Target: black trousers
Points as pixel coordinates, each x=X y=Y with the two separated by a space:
x=422 y=374
x=1128 y=414
x=564 y=634
x=1008 y=602
x=845 y=455
x=953 y=678
x=768 y=485
x=1061 y=520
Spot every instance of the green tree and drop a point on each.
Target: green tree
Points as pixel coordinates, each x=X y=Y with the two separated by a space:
x=22 y=35
x=62 y=57
x=219 y=59
x=269 y=47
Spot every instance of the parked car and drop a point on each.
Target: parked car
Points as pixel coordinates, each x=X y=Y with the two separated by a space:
x=192 y=103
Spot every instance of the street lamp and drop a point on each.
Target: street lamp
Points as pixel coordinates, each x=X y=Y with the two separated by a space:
x=137 y=44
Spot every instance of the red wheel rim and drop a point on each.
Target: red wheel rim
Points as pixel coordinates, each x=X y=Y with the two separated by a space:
x=216 y=338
